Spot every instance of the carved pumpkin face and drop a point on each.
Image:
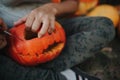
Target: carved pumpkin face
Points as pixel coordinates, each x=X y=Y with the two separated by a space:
x=36 y=50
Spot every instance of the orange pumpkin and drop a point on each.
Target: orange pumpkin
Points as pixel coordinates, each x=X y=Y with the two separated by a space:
x=106 y=11
x=56 y=1
x=35 y=50
x=85 y=6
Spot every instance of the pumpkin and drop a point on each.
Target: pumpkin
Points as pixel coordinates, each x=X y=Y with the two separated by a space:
x=107 y=11
x=85 y=6
x=56 y=1
x=32 y=50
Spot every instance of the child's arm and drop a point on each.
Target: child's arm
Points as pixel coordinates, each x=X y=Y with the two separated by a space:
x=45 y=15
x=67 y=6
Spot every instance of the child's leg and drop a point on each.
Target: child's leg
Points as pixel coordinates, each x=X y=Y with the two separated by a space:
x=85 y=37
x=10 y=70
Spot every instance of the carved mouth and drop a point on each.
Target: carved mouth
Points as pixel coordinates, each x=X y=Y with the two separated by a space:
x=54 y=48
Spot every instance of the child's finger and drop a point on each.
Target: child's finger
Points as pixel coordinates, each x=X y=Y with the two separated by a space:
x=44 y=27
x=52 y=25
x=20 y=21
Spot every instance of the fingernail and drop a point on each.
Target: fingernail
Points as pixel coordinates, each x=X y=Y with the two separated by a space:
x=39 y=36
x=49 y=31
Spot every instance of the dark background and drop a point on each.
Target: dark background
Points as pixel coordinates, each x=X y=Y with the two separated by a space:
x=112 y=2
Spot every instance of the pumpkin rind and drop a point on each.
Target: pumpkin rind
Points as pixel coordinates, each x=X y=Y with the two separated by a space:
x=108 y=11
x=35 y=51
x=56 y=1
x=86 y=5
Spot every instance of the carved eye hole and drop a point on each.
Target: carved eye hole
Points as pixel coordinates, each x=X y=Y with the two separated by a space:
x=28 y=34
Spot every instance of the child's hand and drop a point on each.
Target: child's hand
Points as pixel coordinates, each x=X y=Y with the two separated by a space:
x=3 y=41
x=43 y=16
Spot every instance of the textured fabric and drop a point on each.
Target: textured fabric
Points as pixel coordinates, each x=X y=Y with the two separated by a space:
x=85 y=37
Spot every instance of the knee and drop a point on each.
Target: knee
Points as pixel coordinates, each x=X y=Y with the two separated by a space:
x=105 y=25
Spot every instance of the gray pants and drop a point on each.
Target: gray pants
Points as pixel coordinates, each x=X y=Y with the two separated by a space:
x=85 y=37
